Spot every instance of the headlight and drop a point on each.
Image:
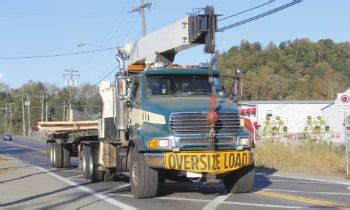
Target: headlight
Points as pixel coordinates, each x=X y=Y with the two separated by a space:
x=159 y=143
x=163 y=142
x=245 y=142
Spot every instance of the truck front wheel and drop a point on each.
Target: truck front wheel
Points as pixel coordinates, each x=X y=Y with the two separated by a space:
x=143 y=179
x=240 y=181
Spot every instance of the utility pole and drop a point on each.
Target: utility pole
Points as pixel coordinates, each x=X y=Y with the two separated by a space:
x=46 y=113
x=42 y=96
x=28 y=107
x=141 y=9
x=6 y=116
x=71 y=82
x=64 y=111
x=3 y=119
x=11 y=117
x=23 y=117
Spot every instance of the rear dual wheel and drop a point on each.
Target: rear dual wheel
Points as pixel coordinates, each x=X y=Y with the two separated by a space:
x=49 y=152
x=87 y=163
x=90 y=164
x=59 y=155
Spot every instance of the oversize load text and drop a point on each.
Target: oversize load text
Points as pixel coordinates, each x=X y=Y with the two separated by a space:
x=206 y=162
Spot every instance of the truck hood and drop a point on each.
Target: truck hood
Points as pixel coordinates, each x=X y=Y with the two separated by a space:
x=167 y=105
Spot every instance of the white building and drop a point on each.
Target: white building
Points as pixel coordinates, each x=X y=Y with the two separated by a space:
x=293 y=113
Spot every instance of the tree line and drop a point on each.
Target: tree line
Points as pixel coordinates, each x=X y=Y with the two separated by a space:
x=43 y=100
x=293 y=70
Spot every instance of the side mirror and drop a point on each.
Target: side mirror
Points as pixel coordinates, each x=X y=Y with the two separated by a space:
x=236 y=87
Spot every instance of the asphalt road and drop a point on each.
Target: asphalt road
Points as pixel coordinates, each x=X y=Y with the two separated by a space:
x=40 y=186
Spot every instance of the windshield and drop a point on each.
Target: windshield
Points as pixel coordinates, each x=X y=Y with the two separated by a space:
x=189 y=85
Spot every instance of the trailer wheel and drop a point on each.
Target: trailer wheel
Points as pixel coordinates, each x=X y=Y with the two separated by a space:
x=52 y=154
x=96 y=175
x=48 y=151
x=58 y=160
x=143 y=179
x=80 y=156
x=66 y=157
x=240 y=181
x=87 y=163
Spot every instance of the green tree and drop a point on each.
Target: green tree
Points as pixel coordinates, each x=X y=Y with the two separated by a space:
x=299 y=69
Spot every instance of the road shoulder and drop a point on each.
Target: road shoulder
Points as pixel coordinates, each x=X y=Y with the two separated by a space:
x=25 y=186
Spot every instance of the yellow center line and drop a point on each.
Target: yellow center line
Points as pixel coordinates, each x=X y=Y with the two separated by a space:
x=18 y=145
x=302 y=199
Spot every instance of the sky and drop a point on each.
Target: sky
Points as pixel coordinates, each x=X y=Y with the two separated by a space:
x=44 y=27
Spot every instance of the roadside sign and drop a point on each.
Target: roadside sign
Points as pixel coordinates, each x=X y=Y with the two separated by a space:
x=343 y=101
x=347 y=142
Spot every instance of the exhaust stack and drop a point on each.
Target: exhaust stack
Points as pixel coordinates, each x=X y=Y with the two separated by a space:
x=121 y=117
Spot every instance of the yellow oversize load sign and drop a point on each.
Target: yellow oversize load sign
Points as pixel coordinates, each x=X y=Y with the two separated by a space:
x=210 y=162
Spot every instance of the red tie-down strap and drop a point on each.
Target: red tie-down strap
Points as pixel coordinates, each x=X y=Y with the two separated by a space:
x=212 y=118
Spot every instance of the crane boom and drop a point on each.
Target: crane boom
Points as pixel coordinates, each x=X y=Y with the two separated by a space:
x=162 y=45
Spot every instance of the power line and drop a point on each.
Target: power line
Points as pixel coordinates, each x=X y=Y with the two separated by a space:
x=131 y=28
x=128 y=33
x=269 y=12
x=109 y=35
x=118 y=28
x=57 y=55
x=121 y=21
x=118 y=19
x=247 y=10
x=104 y=77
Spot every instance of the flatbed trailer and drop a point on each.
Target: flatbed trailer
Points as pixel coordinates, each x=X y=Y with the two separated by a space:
x=65 y=139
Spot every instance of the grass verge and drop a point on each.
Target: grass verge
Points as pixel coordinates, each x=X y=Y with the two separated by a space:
x=5 y=170
x=308 y=157
x=2 y=158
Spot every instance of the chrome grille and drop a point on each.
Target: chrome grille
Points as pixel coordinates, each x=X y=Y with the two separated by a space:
x=197 y=123
x=205 y=141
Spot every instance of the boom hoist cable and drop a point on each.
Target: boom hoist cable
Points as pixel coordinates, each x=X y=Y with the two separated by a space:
x=247 y=10
x=259 y=16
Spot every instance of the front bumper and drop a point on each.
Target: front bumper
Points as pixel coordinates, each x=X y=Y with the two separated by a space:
x=215 y=162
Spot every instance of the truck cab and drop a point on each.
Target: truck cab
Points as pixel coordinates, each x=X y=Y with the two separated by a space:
x=169 y=110
x=168 y=130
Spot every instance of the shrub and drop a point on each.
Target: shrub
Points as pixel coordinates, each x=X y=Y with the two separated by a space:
x=307 y=157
